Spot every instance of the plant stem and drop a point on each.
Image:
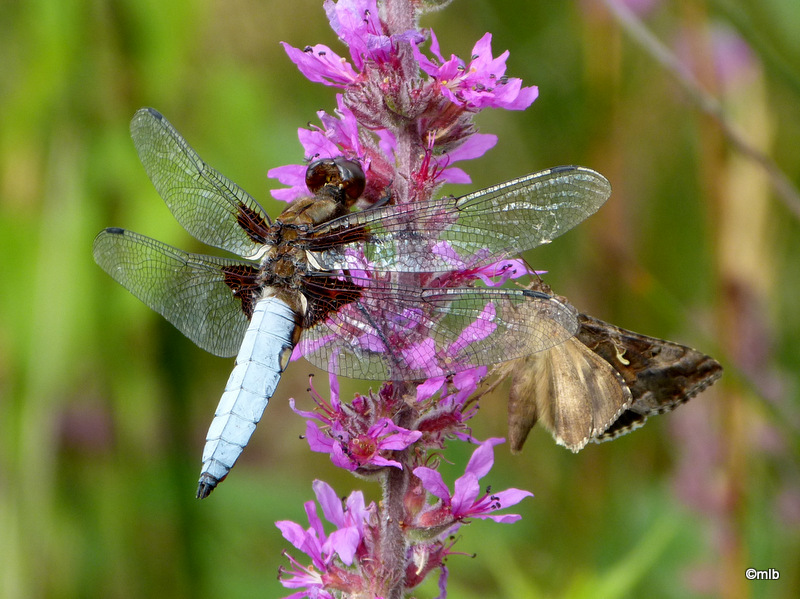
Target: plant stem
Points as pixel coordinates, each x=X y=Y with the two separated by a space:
x=393 y=543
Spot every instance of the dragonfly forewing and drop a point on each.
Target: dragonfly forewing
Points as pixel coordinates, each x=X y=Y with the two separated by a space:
x=211 y=207
x=467 y=232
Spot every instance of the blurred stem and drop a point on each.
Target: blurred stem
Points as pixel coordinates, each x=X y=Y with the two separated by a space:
x=706 y=102
x=736 y=240
x=729 y=519
x=393 y=545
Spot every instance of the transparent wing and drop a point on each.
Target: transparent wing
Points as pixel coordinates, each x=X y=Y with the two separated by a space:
x=189 y=290
x=208 y=205
x=396 y=332
x=470 y=231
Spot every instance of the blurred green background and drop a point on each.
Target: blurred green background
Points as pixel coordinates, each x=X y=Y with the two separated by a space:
x=104 y=406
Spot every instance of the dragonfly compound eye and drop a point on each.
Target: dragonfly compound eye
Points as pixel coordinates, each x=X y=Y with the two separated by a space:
x=339 y=172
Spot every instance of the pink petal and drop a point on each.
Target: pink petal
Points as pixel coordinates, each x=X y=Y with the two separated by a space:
x=357 y=512
x=482 y=458
x=313 y=519
x=455 y=175
x=344 y=542
x=475 y=147
x=435 y=47
x=320 y=64
x=377 y=460
x=511 y=497
x=399 y=441
x=317 y=440
x=465 y=492
x=329 y=502
x=430 y=387
x=422 y=356
x=303 y=413
x=433 y=482
x=341 y=460
x=482 y=327
x=501 y=518
x=333 y=381
x=316 y=145
x=292 y=532
x=293 y=175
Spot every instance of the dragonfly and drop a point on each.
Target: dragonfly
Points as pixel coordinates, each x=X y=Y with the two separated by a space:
x=340 y=283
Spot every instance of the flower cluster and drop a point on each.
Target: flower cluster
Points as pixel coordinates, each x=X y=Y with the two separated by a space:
x=465 y=501
x=385 y=98
x=344 y=560
x=405 y=112
x=331 y=555
x=359 y=435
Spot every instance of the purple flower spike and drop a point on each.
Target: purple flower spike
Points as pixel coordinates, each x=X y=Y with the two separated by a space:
x=408 y=119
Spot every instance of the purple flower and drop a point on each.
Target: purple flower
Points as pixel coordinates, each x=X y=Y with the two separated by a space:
x=480 y=84
x=352 y=434
x=358 y=25
x=497 y=273
x=320 y=64
x=423 y=559
x=465 y=382
x=327 y=552
x=465 y=501
x=447 y=416
x=327 y=412
x=363 y=450
x=472 y=147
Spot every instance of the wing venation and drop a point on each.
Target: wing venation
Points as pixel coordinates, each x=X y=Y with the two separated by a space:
x=471 y=231
x=189 y=290
x=206 y=203
x=397 y=332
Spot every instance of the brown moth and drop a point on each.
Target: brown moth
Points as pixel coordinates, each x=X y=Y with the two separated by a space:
x=601 y=384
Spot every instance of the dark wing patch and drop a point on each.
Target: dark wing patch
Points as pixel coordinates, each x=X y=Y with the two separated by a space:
x=326 y=295
x=242 y=279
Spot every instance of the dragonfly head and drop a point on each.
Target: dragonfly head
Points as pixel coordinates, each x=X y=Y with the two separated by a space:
x=343 y=179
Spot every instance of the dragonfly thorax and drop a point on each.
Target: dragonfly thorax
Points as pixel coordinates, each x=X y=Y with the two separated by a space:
x=284 y=266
